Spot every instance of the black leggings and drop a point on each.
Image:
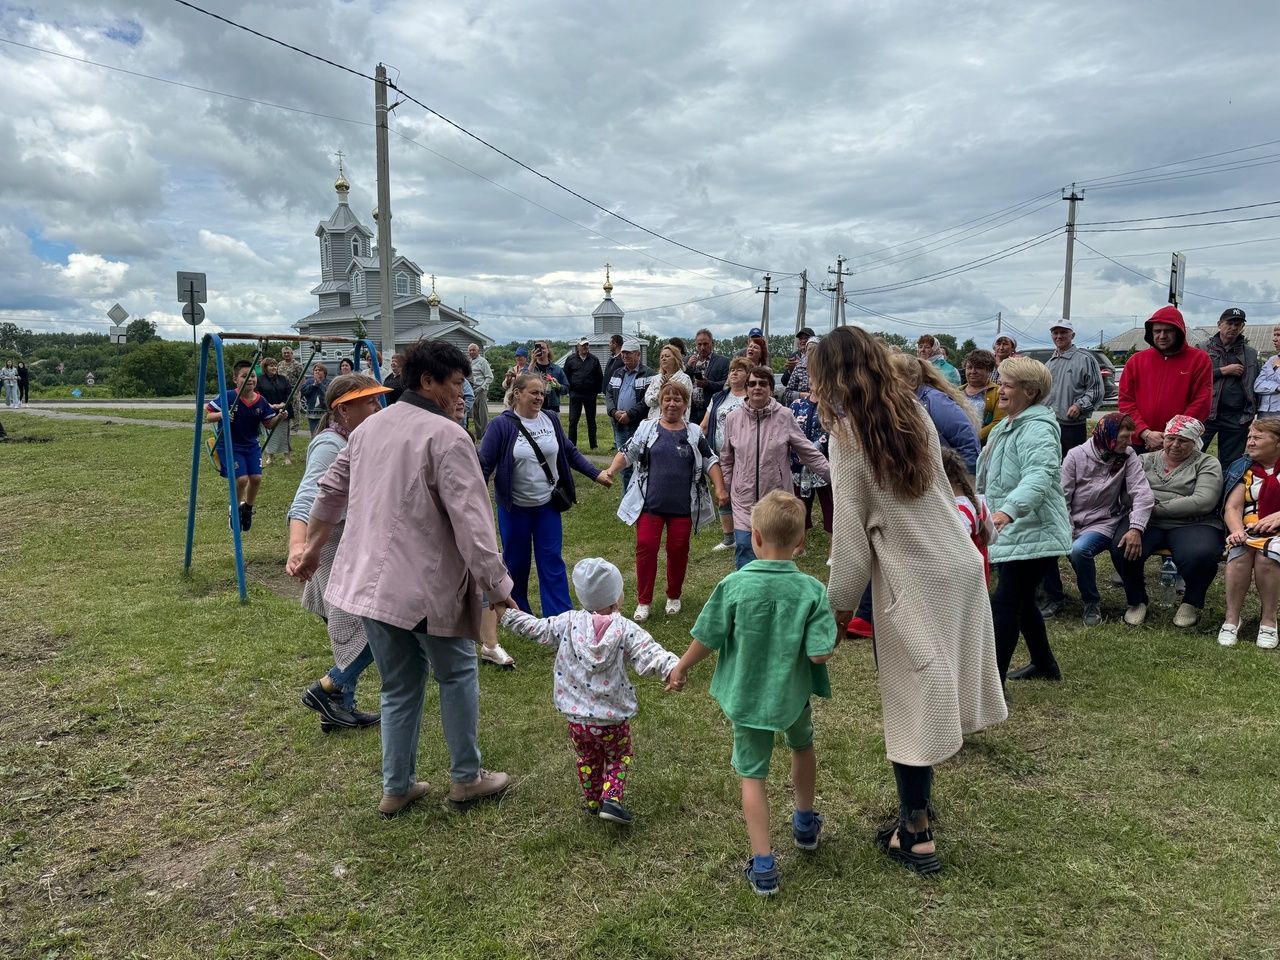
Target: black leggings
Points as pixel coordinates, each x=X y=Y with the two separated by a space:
x=915 y=784
x=1196 y=549
x=1014 y=611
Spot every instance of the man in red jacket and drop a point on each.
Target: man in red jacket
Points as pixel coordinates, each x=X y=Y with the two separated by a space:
x=1169 y=379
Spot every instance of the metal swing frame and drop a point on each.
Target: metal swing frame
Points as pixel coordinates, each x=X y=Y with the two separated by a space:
x=214 y=342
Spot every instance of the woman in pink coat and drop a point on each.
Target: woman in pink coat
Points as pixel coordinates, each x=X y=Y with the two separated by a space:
x=755 y=455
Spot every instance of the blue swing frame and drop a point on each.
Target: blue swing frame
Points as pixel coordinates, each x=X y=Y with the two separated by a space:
x=215 y=341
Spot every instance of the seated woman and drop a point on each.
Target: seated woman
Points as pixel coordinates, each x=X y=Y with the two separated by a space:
x=670 y=457
x=1187 y=484
x=1253 y=521
x=1102 y=481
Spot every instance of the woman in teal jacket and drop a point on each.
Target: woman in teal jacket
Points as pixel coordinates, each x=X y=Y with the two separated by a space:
x=1019 y=472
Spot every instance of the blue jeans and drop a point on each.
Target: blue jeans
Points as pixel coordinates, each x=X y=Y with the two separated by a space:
x=405 y=659
x=11 y=394
x=529 y=534
x=346 y=680
x=1083 y=549
x=621 y=437
x=742 y=552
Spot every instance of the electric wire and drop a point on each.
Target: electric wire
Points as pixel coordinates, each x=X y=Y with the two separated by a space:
x=1183 y=226
x=496 y=149
x=1175 y=216
x=983 y=261
x=577 y=316
x=1161 y=283
x=1177 y=163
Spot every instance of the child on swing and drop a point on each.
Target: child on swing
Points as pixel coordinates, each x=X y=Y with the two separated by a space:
x=248 y=410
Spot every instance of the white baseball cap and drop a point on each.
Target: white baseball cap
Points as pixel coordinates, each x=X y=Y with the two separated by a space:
x=1062 y=325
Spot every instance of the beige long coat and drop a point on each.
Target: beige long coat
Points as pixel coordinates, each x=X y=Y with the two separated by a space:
x=934 y=641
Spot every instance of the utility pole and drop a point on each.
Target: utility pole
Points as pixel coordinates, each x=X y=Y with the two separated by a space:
x=388 y=338
x=999 y=322
x=803 y=306
x=764 y=317
x=837 y=305
x=1071 y=250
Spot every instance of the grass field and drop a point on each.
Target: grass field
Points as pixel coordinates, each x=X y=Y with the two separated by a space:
x=164 y=794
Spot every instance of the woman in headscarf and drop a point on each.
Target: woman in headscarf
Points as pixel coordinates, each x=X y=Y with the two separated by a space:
x=1103 y=480
x=1187 y=484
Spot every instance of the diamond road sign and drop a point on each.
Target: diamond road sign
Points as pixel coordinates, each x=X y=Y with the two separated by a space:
x=118 y=314
x=191 y=286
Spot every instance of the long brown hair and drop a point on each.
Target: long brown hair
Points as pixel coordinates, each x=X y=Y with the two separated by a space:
x=922 y=372
x=861 y=395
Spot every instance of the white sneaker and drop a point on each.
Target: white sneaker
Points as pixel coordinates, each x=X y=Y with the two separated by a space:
x=1136 y=615
x=721 y=546
x=673 y=606
x=1267 y=638
x=1186 y=616
x=1227 y=634
x=642 y=613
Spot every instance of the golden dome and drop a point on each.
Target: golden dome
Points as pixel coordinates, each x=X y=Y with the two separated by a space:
x=341 y=184
x=375 y=213
x=434 y=299
x=608 y=284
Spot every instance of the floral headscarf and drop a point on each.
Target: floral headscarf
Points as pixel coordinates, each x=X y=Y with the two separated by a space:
x=1184 y=426
x=1105 y=436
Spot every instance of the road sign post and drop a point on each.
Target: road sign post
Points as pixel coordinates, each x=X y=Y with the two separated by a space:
x=1177 y=274
x=193 y=291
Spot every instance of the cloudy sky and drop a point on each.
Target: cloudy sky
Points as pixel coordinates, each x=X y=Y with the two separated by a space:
x=919 y=140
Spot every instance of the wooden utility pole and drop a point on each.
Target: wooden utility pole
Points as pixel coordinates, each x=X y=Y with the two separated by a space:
x=803 y=306
x=1071 y=250
x=767 y=290
x=388 y=336
x=999 y=322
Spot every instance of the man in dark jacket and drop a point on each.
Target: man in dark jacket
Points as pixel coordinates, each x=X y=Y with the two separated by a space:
x=708 y=371
x=1235 y=367
x=624 y=397
x=585 y=380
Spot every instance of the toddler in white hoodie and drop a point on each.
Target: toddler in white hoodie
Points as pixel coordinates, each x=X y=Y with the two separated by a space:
x=595 y=645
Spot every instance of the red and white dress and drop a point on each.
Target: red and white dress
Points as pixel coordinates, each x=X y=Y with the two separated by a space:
x=974 y=516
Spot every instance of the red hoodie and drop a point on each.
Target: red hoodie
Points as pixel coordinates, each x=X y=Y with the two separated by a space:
x=1156 y=387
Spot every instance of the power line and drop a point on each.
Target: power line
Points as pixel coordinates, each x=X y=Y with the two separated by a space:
x=1186 y=226
x=1178 y=163
x=365 y=123
x=1234 y=165
x=1004 y=254
x=578 y=316
x=496 y=149
x=1207 y=246
x=1175 y=216
x=1161 y=283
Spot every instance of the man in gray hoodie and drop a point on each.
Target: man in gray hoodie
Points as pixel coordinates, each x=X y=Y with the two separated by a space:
x=1077 y=385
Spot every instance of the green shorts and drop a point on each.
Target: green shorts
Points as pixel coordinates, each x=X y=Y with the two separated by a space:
x=753 y=747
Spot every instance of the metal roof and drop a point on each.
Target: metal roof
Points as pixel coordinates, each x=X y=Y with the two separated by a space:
x=1257 y=336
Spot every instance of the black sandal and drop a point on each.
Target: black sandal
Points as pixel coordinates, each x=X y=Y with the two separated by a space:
x=904 y=853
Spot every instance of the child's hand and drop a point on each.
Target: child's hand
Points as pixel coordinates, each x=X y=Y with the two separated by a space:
x=675 y=679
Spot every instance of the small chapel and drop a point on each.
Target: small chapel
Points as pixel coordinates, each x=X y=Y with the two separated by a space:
x=350 y=293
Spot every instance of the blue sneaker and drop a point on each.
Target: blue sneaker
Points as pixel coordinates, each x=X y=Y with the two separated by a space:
x=763 y=882
x=807 y=839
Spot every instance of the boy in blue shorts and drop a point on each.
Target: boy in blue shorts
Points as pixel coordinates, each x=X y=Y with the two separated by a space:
x=252 y=410
x=773 y=629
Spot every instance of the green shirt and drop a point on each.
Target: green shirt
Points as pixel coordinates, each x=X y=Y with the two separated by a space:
x=765 y=621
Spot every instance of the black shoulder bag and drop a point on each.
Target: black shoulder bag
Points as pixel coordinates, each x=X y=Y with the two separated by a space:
x=561 y=499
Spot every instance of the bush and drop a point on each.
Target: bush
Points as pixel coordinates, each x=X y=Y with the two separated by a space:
x=160 y=368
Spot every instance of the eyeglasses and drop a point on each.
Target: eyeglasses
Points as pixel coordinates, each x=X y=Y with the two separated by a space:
x=759 y=383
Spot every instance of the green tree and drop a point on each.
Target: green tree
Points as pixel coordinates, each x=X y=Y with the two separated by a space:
x=161 y=368
x=141 y=330
x=967 y=347
x=895 y=340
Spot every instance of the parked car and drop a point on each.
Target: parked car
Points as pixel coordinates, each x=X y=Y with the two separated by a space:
x=1110 y=375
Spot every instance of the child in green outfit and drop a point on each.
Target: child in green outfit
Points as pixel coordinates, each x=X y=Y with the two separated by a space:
x=774 y=631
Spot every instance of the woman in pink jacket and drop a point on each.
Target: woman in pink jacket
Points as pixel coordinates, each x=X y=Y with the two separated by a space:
x=755 y=455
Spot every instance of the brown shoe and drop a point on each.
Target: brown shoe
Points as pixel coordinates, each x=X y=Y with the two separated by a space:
x=394 y=806
x=465 y=795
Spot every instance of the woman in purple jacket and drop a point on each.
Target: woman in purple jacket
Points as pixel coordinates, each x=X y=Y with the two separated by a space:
x=527 y=522
x=1105 y=485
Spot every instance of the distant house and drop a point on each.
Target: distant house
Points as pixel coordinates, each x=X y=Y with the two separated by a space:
x=350 y=291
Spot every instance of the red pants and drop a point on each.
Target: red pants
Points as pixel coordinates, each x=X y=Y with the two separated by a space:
x=604 y=759
x=648 y=537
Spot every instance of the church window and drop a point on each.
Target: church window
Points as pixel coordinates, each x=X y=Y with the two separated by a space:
x=355 y=246
x=357 y=282
x=324 y=252
x=402 y=285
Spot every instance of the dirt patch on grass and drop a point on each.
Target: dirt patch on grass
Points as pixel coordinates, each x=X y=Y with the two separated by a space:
x=270 y=573
x=27 y=647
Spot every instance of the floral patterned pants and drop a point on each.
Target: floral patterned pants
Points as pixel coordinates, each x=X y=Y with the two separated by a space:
x=604 y=760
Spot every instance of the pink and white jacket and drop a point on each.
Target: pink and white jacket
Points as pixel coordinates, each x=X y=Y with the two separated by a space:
x=755 y=456
x=591 y=684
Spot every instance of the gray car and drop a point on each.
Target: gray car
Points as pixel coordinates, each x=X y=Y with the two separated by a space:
x=1110 y=375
